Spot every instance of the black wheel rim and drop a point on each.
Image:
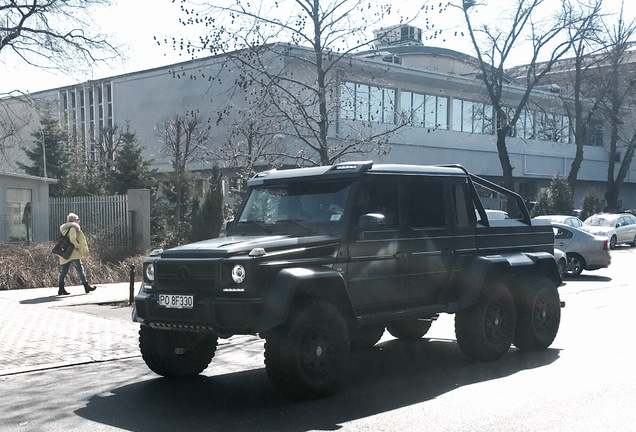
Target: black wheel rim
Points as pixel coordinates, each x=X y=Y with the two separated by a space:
x=497 y=322
x=317 y=352
x=543 y=315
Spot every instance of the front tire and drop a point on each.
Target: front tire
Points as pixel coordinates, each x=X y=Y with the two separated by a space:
x=176 y=354
x=306 y=358
x=409 y=330
x=538 y=315
x=612 y=242
x=485 y=330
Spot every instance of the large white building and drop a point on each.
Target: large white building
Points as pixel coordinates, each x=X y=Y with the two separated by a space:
x=450 y=119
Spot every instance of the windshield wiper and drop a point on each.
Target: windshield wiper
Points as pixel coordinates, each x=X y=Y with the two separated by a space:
x=259 y=224
x=297 y=222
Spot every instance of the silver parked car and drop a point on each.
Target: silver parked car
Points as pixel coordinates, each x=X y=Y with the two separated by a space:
x=585 y=251
x=572 y=221
x=617 y=227
x=561 y=261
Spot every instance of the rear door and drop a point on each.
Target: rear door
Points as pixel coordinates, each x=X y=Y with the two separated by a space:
x=431 y=246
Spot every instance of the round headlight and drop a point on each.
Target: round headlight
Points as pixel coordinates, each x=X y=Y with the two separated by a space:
x=150 y=272
x=238 y=273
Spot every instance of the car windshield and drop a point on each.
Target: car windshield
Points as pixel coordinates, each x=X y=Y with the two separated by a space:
x=307 y=206
x=607 y=221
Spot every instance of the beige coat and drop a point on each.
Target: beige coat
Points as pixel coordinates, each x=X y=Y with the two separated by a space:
x=78 y=239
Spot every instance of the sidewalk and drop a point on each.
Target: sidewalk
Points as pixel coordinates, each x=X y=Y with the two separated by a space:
x=40 y=330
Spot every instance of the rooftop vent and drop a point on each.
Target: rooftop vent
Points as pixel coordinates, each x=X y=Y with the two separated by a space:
x=397 y=35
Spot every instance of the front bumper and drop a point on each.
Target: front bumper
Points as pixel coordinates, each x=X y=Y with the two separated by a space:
x=220 y=316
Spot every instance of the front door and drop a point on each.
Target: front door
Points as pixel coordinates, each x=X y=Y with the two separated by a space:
x=377 y=259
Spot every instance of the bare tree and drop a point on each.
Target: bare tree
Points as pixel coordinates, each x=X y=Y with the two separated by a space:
x=52 y=33
x=302 y=76
x=47 y=34
x=184 y=139
x=621 y=99
x=582 y=104
x=494 y=46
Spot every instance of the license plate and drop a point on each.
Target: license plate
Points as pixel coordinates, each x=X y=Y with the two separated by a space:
x=176 y=301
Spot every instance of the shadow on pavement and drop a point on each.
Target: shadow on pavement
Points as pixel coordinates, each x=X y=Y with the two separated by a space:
x=389 y=376
x=40 y=300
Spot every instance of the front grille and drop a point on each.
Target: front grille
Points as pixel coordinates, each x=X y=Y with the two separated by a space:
x=174 y=275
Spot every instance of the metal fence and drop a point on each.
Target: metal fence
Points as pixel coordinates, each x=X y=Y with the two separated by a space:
x=102 y=217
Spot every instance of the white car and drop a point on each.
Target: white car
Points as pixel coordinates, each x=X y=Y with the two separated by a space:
x=617 y=227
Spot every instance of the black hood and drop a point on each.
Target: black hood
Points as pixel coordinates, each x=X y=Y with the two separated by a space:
x=241 y=245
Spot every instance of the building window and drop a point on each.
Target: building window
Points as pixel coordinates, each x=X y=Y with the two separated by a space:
x=553 y=127
x=367 y=103
x=473 y=117
x=19 y=217
x=594 y=133
x=424 y=110
x=524 y=128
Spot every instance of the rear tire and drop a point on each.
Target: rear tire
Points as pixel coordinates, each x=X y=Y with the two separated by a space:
x=576 y=264
x=538 y=315
x=485 y=330
x=176 y=354
x=409 y=330
x=306 y=358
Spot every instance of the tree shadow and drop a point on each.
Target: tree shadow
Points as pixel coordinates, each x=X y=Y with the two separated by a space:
x=391 y=375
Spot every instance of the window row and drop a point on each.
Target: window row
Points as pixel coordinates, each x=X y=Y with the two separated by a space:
x=377 y=104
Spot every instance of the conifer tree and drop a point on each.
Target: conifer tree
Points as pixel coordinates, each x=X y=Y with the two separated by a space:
x=55 y=151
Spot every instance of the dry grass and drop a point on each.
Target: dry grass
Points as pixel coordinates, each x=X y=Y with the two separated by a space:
x=33 y=266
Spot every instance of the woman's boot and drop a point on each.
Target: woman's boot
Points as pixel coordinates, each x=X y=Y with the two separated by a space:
x=88 y=288
x=61 y=290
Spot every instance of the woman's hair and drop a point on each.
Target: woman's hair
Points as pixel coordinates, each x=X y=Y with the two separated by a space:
x=72 y=217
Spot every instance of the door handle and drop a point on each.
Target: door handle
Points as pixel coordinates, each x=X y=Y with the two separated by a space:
x=399 y=254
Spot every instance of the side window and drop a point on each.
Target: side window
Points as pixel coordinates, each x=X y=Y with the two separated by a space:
x=425 y=203
x=561 y=233
x=462 y=217
x=379 y=197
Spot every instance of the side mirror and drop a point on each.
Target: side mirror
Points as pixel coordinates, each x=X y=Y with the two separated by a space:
x=371 y=222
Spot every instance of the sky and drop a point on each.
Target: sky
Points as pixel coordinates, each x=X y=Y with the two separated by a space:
x=134 y=24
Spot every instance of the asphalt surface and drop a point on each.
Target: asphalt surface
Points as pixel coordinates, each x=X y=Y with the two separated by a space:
x=40 y=330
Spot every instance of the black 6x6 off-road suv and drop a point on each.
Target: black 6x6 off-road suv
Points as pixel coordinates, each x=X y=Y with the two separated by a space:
x=322 y=260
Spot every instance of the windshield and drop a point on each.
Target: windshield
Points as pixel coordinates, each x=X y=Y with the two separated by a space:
x=309 y=206
x=601 y=221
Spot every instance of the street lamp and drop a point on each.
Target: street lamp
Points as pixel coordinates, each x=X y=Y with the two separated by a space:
x=43 y=153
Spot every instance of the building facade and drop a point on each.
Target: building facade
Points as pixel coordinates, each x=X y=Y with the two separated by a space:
x=429 y=100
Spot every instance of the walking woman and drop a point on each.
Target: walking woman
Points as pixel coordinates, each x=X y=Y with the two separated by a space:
x=78 y=239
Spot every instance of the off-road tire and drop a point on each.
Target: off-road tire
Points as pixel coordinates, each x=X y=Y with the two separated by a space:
x=176 y=354
x=306 y=358
x=366 y=336
x=485 y=330
x=409 y=330
x=538 y=309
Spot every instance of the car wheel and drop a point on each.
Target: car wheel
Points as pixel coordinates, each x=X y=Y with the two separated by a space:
x=485 y=330
x=576 y=264
x=306 y=358
x=176 y=354
x=410 y=330
x=634 y=242
x=612 y=242
x=538 y=315
x=562 y=266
